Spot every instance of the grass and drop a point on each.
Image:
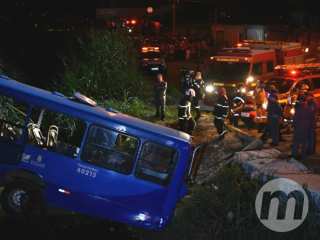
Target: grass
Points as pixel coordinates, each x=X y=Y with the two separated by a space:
x=142 y=109
x=224 y=209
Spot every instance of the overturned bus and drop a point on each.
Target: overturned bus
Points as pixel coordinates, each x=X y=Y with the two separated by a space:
x=69 y=153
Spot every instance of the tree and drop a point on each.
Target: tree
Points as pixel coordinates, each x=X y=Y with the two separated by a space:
x=104 y=66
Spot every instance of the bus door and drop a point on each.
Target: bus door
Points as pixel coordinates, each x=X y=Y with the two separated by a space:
x=52 y=151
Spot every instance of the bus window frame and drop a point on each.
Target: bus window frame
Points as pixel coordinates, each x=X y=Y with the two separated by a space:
x=137 y=153
x=167 y=182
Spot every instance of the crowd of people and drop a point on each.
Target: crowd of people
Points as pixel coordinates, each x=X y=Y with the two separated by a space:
x=192 y=88
x=192 y=91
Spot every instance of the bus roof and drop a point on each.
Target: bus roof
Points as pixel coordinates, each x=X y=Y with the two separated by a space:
x=42 y=97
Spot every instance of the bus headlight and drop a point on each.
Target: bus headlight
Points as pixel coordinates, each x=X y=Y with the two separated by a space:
x=209 y=88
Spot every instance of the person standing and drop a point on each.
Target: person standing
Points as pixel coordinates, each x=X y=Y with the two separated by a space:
x=311 y=138
x=261 y=103
x=160 y=91
x=220 y=111
x=301 y=126
x=198 y=86
x=186 y=80
x=274 y=114
x=186 y=122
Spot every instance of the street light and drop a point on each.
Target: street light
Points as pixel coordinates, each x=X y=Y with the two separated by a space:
x=149 y=10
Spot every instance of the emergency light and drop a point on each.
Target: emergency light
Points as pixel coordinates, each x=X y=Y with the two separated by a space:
x=295 y=70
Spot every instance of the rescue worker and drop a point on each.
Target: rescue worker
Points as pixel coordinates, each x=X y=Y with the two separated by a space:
x=301 y=124
x=302 y=92
x=186 y=80
x=186 y=122
x=261 y=106
x=274 y=114
x=198 y=86
x=236 y=108
x=160 y=90
x=311 y=137
x=220 y=111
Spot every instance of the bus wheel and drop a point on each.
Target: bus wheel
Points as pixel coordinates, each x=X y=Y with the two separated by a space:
x=21 y=200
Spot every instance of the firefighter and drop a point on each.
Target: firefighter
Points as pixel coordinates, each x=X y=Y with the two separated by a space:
x=237 y=105
x=274 y=114
x=198 y=86
x=302 y=92
x=160 y=90
x=186 y=80
x=220 y=111
x=186 y=122
x=311 y=138
x=301 y=124
x=261 y=104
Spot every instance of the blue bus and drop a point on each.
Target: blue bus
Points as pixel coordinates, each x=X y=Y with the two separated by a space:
x=68 y=153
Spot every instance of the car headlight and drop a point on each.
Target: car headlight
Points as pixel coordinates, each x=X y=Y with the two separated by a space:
x=209 y=88
x=292 y=111
x=251 y=93
x=243 y=90
x=265 y=105
x=250 y=79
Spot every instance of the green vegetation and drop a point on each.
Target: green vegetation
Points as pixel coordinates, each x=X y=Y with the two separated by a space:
x=142 y=109
x=224 y=209
x=104 y=65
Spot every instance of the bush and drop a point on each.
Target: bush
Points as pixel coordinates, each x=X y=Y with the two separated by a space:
x=224 y=209
x=104 y=65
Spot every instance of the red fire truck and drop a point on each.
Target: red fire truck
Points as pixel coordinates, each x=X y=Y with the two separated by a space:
x=239 y=69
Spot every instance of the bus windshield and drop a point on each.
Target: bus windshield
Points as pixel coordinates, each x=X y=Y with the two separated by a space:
x=228 y=71
x=282 y=85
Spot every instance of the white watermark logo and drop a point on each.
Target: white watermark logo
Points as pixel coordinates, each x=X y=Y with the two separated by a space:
x=282 y=205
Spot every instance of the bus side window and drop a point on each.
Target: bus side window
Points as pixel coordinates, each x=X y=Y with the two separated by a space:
x=257 y=69
x=56 y=132
x=12 y=118
x=110 y=150
x=156 y=163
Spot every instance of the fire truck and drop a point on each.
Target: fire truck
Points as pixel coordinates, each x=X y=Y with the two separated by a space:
x=293 y=80
x=290 y=80
x=239 y=69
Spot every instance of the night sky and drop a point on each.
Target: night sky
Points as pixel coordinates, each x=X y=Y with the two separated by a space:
x=238 y=11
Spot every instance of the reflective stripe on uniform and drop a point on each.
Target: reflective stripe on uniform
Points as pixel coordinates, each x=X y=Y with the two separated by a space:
x=261 y=117
x=220 y=118
x=183 y=106
x=197 y=107
x=224 y=106
x=239 y=98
